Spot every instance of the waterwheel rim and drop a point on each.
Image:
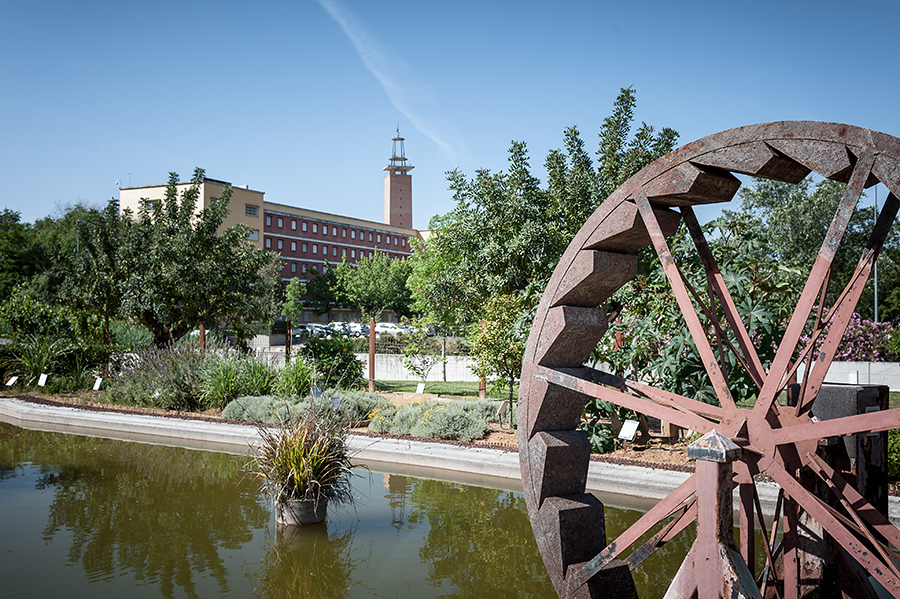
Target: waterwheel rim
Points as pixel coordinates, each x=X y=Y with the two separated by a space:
x=568 y=523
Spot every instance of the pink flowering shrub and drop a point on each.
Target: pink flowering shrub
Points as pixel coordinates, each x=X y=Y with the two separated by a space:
x=863 y=341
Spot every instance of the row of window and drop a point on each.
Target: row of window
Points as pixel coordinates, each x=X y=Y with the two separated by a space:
x=279 y=223
x=279 y=244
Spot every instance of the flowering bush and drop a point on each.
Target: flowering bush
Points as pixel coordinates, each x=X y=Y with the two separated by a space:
x=863 y=341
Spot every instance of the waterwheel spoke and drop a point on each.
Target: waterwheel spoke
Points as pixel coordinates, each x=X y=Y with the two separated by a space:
x=687 y=517
x=679 y=402
x=716 y=376
x=821 y=266
x=840 y=314
x=819 y=512
x=856 y=501
x=671 y=504
x=767 y=545
x=684 y=419
x=871 y=422
x=750 y=355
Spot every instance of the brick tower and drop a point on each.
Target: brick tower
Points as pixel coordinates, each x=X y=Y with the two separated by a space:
x=398 y=187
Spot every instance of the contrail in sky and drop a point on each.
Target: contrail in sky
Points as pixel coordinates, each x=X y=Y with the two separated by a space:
x=403 y=95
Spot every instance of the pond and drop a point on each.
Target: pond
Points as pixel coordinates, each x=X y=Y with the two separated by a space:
x=90 y=517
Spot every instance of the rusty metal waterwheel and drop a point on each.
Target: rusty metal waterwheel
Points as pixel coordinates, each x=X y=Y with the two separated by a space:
x=776 y=439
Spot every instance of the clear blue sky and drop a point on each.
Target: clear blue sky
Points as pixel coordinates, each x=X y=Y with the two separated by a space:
x=299 y=99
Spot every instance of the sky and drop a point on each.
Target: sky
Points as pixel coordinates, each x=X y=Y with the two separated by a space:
x=300 y=99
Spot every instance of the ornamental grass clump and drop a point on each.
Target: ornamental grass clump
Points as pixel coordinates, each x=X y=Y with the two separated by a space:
x=307 y=459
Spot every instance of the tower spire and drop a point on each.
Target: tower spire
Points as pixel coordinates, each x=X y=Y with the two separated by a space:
x=398 y=186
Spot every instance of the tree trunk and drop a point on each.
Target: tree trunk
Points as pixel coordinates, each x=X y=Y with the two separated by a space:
x=371 y=354
x=106 y=345
x=287 y=342
x=202 y=336
x=482 y=387
x=511 y=383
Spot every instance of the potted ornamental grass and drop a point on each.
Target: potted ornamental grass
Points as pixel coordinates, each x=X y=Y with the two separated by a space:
x=304 y=465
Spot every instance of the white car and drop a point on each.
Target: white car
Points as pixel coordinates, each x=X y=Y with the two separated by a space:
x=389 y=328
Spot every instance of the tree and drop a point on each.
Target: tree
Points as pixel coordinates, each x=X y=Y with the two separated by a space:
x=21 y=255
x=499 y=342
x=419 y=355
x=292 y=308
x=794 y=219
x=95 y=284
x=374 y=284
x=507 y=233
x=181 y=272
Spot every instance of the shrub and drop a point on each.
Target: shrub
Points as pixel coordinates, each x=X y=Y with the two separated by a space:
x=353 y=406
x=894 y=454
x=167 y=377
x=335 y=363
x=295 y=378
x=33 y=355
x=220 y=380
x=257 y=376
x=431 y=419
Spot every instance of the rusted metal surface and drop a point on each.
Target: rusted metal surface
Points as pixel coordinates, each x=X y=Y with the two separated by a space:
x=781 y=441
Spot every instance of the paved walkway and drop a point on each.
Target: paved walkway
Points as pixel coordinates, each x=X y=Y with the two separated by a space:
x=622 y=486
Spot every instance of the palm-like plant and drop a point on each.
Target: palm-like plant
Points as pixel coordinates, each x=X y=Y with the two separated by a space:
x=307 y=459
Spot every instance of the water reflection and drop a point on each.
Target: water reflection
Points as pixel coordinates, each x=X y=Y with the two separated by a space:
x=160 y=513
x=141 y=520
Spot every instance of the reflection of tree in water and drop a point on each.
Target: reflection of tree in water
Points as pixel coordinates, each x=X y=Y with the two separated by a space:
x=159 y=512
x=478 y=539
x=305 y=561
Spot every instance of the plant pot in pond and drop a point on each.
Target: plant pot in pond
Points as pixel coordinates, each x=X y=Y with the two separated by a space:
x=294 y=512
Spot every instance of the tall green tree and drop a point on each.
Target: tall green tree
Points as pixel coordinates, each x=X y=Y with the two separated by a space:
x=507 y=232
x=21 y=255
x=181 y=271
x=292 y=309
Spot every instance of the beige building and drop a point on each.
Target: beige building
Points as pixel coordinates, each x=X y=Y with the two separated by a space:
x=307 y=240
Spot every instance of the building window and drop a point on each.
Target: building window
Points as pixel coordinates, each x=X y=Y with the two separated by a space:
x=151 y=205
x=303 y=268
x=388 y=239
x=268 y=242
x=379 y=238
x=315 y=228
x=370 y=254
x=343 y=232
x=334 y=250
x=344 y=252
x=280 y=222
x=352 y=234
x=268 y=221
x=403 y=241
x=293 y=267
x=293 y=225
x=324 y=250
x=303 y=247
x=370 y=237
x=251 y=210
x=304 y=226
x=280 y=245
x=334 y=231
x=253 y=235
x=293 y=246
x=353 y=253
x=315 y=249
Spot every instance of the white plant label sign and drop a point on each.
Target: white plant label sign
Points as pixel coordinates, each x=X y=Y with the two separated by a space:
x=420 y=388
x=42 y=380
x=97 y=382
x=12 y=381
x=629 y=428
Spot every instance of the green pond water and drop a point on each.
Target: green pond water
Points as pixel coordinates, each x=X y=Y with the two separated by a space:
x=89 y=517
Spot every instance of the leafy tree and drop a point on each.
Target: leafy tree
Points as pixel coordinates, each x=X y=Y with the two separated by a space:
x=324 y=290
x=375 y=284
x=507 y=233
x=419 y=355
x=183 y=272
x=292 y=308
x=21 y=255
x=499 y=343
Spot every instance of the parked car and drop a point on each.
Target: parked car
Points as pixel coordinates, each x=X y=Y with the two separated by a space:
x=317 y=329
x=341 y=328
x=358 y=329
x=388 y=328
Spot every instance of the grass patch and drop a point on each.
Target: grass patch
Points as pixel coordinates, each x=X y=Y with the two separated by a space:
x=458 y=388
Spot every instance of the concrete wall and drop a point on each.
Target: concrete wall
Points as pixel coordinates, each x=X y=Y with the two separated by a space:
x=862 y=373
x=388 y=367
